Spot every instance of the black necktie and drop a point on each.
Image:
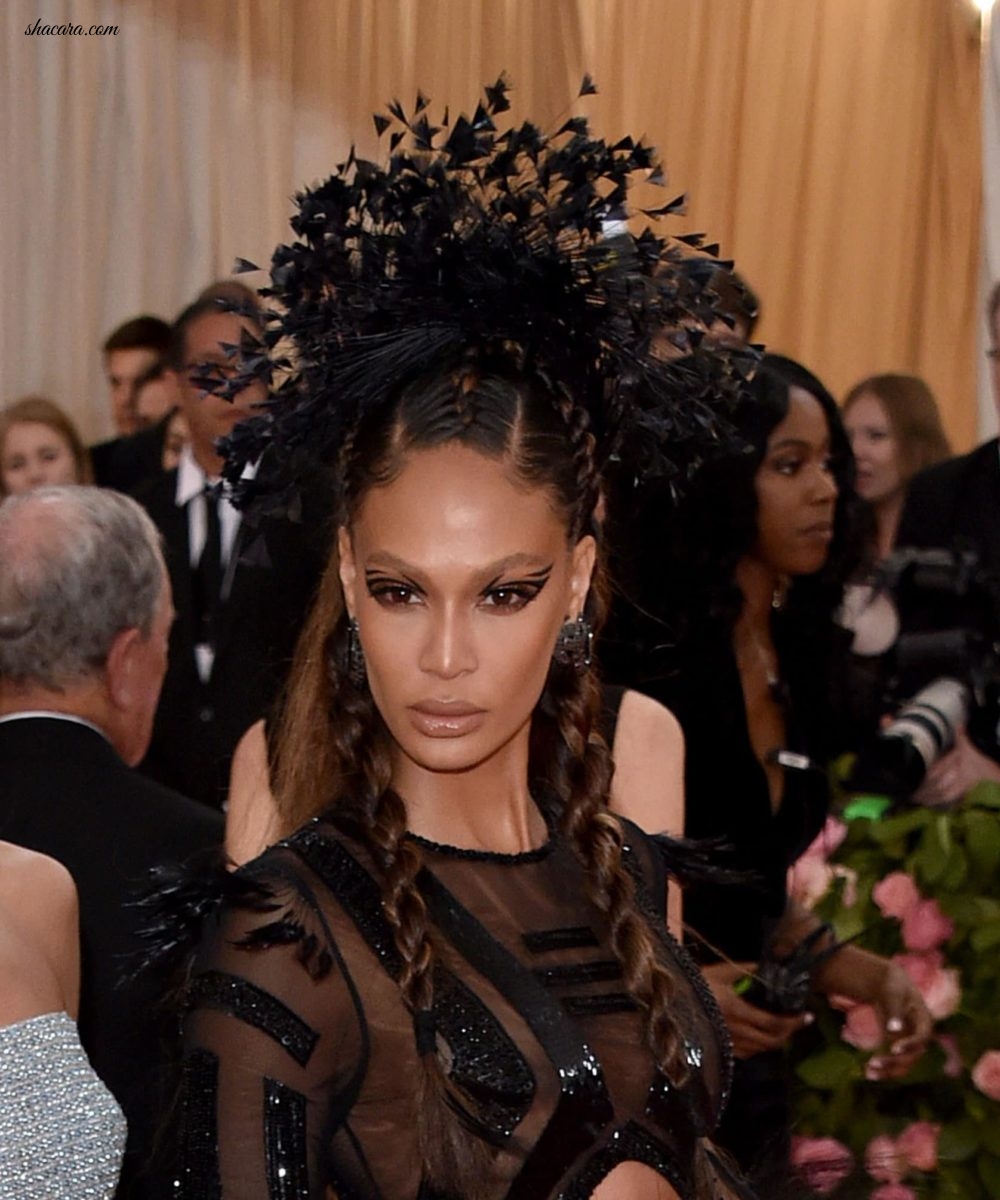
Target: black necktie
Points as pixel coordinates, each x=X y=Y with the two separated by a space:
x=207 y=574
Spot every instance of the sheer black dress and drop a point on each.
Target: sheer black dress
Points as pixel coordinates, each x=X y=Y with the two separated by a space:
x=300 y=1057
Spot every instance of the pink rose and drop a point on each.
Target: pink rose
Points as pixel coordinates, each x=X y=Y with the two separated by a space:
x=952 y=1057
x=893 y=1191
x=829 y=838
x=821 y=1162
x=884 y=1161
x=925 y=927
x=863 y=1028
x=896 y=895
x=943 y=994
x=918 y=1145
x=809 y=880
x=939 y=985
x=986 y=1074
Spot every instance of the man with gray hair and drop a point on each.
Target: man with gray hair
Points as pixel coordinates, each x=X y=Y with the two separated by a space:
x=85 y=614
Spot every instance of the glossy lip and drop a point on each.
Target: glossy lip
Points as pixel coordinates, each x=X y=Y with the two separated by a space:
x=446 y=718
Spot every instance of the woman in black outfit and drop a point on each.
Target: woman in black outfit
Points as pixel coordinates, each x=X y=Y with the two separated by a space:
x=454 y=978
x=734 y=619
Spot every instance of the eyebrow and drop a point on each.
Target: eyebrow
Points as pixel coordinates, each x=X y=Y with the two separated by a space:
x=382 y=559
x=786 y=443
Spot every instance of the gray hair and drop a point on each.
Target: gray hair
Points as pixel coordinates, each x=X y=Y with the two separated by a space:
x=78 y=565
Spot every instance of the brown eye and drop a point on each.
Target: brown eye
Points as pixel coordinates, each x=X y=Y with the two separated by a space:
x=511 y=598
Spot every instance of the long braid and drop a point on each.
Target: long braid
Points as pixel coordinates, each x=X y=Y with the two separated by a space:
x=582 y=778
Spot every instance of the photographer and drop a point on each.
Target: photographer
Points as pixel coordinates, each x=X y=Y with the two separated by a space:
x=731 y=620
x=957 y=503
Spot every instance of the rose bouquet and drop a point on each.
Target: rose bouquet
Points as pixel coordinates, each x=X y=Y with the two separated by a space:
x=921 y=886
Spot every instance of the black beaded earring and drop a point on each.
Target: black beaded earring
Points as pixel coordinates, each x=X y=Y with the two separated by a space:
x=356 y=670
x=575 y=645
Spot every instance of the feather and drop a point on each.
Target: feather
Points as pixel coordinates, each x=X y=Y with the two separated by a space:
x=507 y=243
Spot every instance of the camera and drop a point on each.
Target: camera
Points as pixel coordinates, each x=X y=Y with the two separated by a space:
x=940 y=673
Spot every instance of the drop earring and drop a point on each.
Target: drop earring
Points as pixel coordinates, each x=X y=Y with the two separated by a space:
x=575 y=645
x=356 y=669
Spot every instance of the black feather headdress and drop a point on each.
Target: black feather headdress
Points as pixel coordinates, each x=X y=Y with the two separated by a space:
x=472 y=239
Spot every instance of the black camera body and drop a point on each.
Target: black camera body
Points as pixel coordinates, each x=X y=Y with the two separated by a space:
x=941 y=672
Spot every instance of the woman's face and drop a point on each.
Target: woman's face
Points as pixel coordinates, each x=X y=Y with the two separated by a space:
x=460 y=581
x=875 y=449
x=796 y=491
x=35 y=455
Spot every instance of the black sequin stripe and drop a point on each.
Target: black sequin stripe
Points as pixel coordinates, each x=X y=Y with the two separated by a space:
x=485 y=1060
x=599 y=1006
x=198 y=1141
x=571 y=974
x=285 y=1142
x=250 y=1004
x=355 y=890
x=631 y=1143
x=584 y=1107
x=574 y=937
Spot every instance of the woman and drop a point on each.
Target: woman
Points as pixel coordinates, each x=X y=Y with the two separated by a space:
x=61 y=1132
x=39 y=446
x=454 y=979
x=744 y=654
x=894 y=428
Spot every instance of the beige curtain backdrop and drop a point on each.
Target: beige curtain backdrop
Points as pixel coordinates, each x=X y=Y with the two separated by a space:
x=830 y=146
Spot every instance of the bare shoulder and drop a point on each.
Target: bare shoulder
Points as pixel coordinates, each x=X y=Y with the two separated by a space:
x=251 y=816
x=646 y=721
x=38 y=935
x=35 y=884
x=648 y=783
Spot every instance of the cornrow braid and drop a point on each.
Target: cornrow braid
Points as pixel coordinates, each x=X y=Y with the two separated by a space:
x=582 y=442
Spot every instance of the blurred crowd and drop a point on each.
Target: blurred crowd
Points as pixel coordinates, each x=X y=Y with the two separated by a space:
x=836 y=588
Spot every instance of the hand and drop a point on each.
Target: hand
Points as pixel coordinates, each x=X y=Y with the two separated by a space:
x=870 y=979
x=955 y=773
x=906 y=1021
x=752 y=1029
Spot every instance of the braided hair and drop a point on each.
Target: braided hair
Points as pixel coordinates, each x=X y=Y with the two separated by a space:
x=543 y=438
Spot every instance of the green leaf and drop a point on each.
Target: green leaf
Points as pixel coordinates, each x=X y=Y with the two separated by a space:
x=989 y=1173
x=985 y=795
x=896 y=827
x=932 y=855
x=956 y=871
x=985 y=937
x=982 y=843
x=831 y=1068
x=958 y=1141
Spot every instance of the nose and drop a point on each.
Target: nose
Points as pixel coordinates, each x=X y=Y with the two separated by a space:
x=824 y=489
x=448 y=649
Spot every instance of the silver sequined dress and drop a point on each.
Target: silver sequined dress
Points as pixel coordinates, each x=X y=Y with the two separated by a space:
x=61 y=1132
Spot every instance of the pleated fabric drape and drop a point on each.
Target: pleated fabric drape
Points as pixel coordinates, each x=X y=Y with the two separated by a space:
x=830 y=147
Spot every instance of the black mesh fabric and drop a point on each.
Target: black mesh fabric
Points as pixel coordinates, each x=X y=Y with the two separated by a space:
x=297 y=1025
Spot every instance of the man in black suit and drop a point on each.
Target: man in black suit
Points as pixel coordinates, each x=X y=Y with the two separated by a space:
x=85 y=611
x=240 y=598
x=955 y=505
x=132 y=353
